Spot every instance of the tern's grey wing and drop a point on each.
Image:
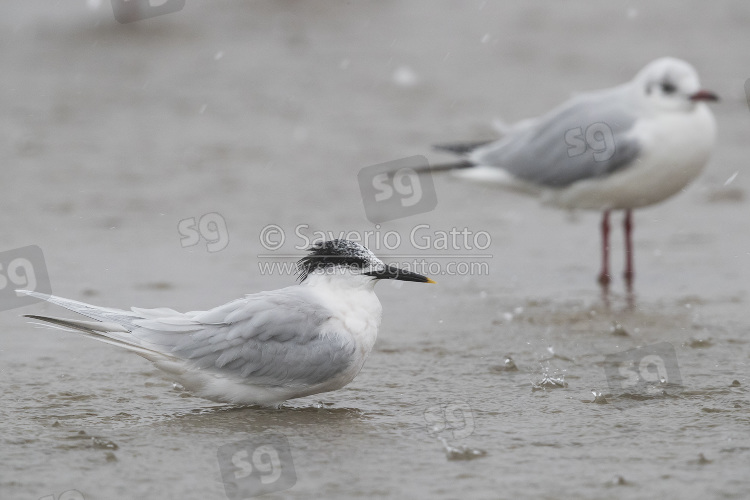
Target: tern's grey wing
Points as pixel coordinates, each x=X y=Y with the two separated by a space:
x=589 y=136
x=274 y=338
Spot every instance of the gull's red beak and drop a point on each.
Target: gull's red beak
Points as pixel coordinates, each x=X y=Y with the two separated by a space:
x=704 y=95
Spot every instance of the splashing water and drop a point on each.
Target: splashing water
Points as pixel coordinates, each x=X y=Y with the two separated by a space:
x=461 y=452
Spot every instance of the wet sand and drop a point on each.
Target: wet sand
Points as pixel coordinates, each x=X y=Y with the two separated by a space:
x=264 y=112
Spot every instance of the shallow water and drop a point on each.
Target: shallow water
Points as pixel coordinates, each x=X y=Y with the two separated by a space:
x=264 y=113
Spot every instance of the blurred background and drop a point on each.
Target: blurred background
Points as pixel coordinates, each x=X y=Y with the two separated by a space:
x=264 y=112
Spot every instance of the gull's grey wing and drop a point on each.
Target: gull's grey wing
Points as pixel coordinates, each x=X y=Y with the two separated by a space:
x=274 y=338
x=587 y=137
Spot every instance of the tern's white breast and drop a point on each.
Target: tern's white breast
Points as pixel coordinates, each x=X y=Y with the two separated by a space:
x=356 y=314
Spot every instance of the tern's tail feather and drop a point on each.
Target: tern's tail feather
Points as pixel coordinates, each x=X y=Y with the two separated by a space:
x=95 y=331
x=113 y=326
x=126 y=319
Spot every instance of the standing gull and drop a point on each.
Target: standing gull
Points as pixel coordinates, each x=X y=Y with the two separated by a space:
x=264 y=348
x=621 y=148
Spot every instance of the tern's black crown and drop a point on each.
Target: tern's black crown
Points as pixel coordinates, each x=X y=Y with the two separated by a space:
x=336 y=253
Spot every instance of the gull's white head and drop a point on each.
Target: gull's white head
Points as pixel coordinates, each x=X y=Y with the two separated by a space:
x=352 y=261
x=671 y=84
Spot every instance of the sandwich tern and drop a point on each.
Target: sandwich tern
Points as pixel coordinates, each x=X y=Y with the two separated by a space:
x=264 y=348
x=621 y=148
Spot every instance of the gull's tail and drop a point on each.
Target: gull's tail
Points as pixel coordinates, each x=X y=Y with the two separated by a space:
x=444 y=167
x=460 y=148
x=457 y=148
x=112 y=326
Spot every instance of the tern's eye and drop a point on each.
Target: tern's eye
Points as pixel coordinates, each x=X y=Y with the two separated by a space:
x=668 y=88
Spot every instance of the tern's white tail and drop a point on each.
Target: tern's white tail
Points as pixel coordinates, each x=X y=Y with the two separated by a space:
x=113 y=326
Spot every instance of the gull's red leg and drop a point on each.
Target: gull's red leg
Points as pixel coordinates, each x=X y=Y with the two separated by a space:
x=604 y=278
x=627 y=226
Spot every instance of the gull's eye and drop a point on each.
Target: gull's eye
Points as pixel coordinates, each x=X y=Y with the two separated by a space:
x=668 y=88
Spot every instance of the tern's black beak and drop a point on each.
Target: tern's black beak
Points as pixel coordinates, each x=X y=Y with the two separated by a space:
x=704 y=95
x=394 y=273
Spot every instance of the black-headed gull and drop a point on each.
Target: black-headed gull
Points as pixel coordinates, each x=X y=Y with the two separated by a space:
x=621 y=148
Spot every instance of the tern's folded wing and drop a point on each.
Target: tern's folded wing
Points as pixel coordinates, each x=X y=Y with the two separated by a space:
x=272 y=338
